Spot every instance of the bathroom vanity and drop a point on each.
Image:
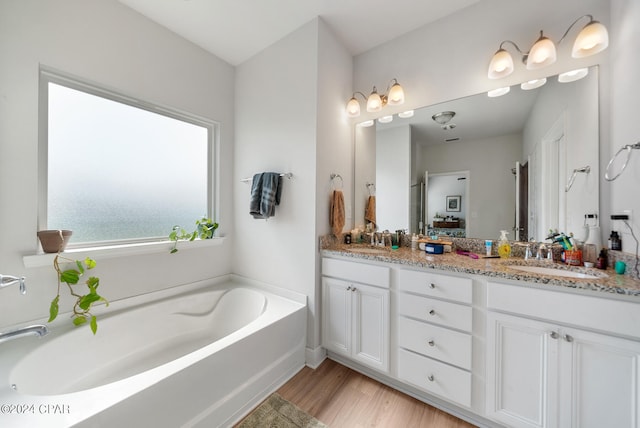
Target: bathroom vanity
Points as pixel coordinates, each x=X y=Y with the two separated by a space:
x=485 y=340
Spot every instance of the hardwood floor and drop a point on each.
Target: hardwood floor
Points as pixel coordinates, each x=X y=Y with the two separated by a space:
x=341 y=397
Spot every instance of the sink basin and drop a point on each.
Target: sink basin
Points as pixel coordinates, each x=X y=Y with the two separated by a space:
x=556 y=272
x=368 y=250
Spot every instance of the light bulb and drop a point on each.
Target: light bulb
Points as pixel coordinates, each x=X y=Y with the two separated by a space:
x=353 y=107
x=396 y=95
x=374 y=102
x=501 y=65
x=593 y=38
x=542 y=53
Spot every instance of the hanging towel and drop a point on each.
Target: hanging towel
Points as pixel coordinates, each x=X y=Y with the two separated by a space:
x=370 y=211
x=336 y=213
x=266 y=189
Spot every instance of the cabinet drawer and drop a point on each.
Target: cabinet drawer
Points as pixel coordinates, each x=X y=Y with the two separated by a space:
x=435 y=377
x=440 y=343
x=436 y=285
x=358 y=272
x=603 y=314
x=435 y=311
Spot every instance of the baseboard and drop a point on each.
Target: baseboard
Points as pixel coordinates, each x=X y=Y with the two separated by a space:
x=315 y=356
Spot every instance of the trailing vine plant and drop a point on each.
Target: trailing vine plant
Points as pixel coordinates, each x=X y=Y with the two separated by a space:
x=71 y=276
x=205 y=227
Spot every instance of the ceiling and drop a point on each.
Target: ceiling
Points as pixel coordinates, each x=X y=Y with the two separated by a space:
x=236 y=30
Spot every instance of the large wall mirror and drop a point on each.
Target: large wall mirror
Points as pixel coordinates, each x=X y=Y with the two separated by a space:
x=499 y=163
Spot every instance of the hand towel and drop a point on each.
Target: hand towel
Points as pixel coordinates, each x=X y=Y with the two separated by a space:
x=266 y=189
x=370 y=211
x=336 y=213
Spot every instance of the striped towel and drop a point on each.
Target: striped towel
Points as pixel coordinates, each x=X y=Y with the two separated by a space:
x=266 y=189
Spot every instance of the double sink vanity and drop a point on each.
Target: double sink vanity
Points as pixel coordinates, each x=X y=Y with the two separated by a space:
x=497 y=342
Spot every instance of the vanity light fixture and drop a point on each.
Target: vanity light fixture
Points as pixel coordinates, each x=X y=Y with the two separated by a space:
x=385 y=119
x=406 y=114
x=593 y=38
x=498 y=92
x=366 y=123
x=393 y=96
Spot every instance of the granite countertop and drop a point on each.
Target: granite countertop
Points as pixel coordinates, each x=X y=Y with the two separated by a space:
x=606 y=280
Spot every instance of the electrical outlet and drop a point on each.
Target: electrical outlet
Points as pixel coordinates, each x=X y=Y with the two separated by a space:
x=625 y=215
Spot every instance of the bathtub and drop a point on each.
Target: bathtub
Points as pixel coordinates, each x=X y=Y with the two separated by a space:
x=197 y=355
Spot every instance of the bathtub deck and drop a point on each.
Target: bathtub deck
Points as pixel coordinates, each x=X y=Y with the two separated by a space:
x=341 y=397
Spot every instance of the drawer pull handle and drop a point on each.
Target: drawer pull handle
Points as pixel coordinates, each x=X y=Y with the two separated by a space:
x=431 y=378
x=431 y=343
x=568 y=338
x=432 y=285
x=432 y=312
x=553 y=335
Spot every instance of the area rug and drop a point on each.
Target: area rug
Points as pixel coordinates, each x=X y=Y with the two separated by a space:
x=276 y=412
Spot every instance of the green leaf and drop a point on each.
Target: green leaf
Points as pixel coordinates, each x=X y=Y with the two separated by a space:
x=93 y=283
x=193 y=236
x=94 y=324
x=70 y=276
x=87 y=300
x=79 y=320
x=174 y=250
x=80 y=267
x=53 y=309
x=90 y=263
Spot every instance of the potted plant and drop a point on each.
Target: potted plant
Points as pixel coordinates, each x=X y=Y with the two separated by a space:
x=54 y=241
x=71 y=277
x=205 y=227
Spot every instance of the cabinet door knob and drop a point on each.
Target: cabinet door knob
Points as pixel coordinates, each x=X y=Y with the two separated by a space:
x=431 y=343
x=354 y=289
x=431 y=378
x=568 y=338
x=432 y=285
x=349 y=288
x=553 y=335
x=432 y=312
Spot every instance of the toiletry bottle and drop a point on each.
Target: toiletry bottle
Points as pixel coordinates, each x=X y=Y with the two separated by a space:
x=504 y=248
x=488 y=243
x=414 y=242
x=614 y=241
x=602 y=259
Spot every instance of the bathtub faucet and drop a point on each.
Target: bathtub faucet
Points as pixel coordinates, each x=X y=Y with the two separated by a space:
x=33 y=330
x=7 y=280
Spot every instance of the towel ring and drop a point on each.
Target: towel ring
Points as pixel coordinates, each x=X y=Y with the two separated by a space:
x=628 y=148
x=333 y=178
x=584 y=169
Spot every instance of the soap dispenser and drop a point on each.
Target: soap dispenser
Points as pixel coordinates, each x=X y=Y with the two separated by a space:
x=504 y=248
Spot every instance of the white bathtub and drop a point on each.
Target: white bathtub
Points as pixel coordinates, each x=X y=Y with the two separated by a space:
x=197 y=355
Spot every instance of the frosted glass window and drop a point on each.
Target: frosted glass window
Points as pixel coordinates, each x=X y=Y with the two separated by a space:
x=117 y=172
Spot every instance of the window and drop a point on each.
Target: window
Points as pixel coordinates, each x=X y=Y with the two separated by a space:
x=119 y=169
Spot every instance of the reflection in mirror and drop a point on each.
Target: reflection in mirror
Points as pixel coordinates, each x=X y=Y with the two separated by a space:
x=511 y=157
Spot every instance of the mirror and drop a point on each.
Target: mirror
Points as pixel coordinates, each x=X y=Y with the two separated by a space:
x=500 y=163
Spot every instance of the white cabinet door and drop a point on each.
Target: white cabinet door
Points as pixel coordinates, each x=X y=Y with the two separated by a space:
x=371 y=326
x=336 y=315
x=356 y=321
x=600 y=380
x=522 y=371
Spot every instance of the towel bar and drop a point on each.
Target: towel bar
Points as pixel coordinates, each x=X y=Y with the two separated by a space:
x=285 y=175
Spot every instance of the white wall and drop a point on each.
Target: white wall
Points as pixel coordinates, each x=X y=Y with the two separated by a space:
x=104 y=42
x=284 y=112
x=393 y=178
x=622 y=193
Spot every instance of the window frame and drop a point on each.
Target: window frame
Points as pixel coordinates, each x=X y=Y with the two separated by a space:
x=48 y=75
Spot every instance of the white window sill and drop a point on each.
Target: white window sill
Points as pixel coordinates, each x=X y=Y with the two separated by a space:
x=107 y=252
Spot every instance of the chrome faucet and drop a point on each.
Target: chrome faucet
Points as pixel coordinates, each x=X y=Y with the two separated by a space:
x=7 y=280
x=33 y=330
x=541 y=248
